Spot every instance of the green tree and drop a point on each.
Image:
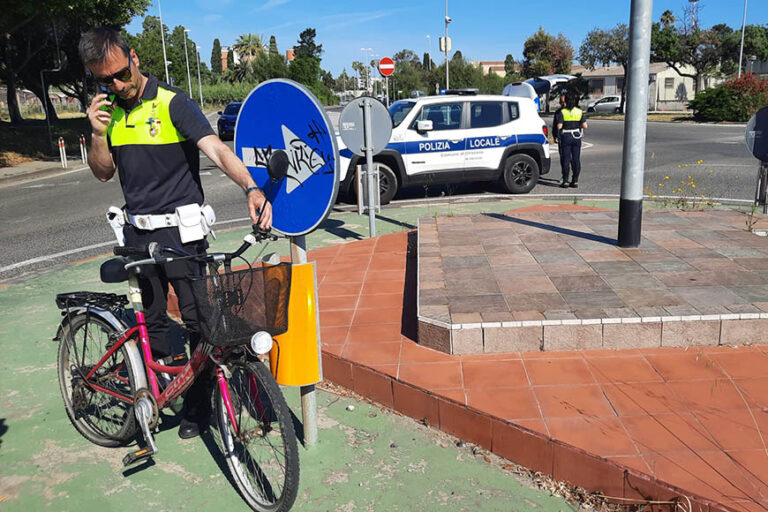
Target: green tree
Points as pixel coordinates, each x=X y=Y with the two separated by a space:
x=305 y=67
x=248 y=46
x=545 y=54
x=273 y=46
x=509 y=65
x=704 y=50
x=149 y=46
x=607 y=47
x=216 y=57
x=44 y=34
x=230 y=59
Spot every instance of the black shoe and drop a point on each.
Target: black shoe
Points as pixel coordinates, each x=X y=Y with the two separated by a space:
x=189 y=428
x=574 y=184
x=563 y=184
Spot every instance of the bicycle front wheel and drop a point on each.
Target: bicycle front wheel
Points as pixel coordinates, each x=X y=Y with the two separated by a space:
x=260 y=444
x=101 y=417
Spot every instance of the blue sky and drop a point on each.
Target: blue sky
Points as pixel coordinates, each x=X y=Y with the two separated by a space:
x=482 y=29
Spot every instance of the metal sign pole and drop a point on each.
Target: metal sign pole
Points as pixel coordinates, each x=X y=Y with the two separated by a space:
x=308 y=397
x=633 y=158
x=369 y=166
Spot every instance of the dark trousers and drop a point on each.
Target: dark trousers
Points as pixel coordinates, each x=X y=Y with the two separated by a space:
x=570 y=156
x=154 y=291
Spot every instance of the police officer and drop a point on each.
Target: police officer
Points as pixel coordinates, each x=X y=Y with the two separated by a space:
x=152 y=135
x=570 y=123
x=555 y=132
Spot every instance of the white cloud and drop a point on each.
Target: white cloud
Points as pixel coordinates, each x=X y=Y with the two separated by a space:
x=271 y=4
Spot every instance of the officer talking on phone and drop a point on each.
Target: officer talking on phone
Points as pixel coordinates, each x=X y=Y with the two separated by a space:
x=151 y=134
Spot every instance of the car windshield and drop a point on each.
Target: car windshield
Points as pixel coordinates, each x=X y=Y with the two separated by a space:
x=232 y=109
x=398 y=110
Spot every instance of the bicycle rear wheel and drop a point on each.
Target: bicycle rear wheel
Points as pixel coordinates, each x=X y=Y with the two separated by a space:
x=261 y=451
x=100 y=417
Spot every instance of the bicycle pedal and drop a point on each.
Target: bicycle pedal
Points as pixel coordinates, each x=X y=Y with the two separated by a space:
x=137 y=456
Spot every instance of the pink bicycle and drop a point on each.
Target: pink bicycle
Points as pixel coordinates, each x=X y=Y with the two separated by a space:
x=112 y=388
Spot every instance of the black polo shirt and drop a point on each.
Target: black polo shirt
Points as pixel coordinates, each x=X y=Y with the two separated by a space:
x=154 y=146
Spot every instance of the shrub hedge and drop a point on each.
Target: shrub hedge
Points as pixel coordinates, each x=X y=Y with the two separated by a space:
x=735 y=100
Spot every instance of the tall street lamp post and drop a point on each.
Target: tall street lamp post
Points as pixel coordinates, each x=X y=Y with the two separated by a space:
x=162 y=40
x=189 y=77
x=445 y=46
x=743 y=26
x=429 y=52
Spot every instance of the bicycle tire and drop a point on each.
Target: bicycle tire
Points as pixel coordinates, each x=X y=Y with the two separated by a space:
x=99 y=417
x=266 y=476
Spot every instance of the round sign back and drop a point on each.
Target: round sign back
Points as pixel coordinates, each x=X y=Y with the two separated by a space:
x=756 y=136
x=282 y=114
x=351 y=125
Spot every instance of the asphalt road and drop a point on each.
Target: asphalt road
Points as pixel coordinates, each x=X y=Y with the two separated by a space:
x=52 y=221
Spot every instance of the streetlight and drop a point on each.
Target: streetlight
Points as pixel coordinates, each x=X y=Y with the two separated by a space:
x=162 y=40
x=429 y=52
x=199 y=82
x=445 y=46
x=189 y=77
x=743 y=25
x=367 y=67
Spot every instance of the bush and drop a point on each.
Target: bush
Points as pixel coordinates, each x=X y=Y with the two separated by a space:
x=224 y=92
x=736 y=100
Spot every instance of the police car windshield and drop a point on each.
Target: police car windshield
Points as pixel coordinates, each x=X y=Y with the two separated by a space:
x=398 y=110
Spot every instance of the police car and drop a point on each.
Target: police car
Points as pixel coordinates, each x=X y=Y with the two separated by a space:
x=459 y=137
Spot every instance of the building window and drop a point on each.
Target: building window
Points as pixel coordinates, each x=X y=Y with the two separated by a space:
x=596 y=85
x=669 y=83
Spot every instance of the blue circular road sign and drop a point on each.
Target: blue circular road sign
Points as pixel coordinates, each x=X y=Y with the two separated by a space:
x=282 y=114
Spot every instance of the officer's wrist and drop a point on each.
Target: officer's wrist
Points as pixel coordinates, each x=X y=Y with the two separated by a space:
x=251 y=189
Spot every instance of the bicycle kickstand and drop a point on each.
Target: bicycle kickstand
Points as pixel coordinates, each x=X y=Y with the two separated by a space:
x=144 y=416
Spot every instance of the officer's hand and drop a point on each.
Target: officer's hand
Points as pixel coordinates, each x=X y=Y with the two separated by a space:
x=99 y=118
x=258 y=205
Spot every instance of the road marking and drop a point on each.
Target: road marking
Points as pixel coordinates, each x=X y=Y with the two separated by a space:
x=87 y=248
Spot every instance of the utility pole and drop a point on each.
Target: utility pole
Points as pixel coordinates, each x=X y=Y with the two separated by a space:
x=633 y=155
x=162 y=40
x=445 y=47
x=743 y=26
x=429 y=53
x=186 y=54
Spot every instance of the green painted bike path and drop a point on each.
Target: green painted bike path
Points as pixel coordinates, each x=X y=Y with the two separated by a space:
x=366 y=458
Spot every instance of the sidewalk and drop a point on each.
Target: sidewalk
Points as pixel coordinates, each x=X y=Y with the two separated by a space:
x=37 y=169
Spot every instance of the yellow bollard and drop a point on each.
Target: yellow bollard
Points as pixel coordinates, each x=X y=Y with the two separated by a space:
x=295 y=357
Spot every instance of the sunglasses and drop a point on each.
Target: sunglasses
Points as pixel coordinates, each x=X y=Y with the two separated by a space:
x=123 y=75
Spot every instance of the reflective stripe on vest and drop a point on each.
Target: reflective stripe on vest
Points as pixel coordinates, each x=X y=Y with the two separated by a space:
x=148 y=123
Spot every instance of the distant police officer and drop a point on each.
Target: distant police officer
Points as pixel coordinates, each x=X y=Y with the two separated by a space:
x=555 y=132
x=570 y=122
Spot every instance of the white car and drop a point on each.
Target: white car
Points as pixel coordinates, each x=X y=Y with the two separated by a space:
x=457 y=138
x=606 y=104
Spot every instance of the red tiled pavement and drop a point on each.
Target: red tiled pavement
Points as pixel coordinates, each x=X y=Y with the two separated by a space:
x=656 y=422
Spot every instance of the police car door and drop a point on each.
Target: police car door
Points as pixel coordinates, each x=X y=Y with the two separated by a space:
x=439 y=149
x=490 y=132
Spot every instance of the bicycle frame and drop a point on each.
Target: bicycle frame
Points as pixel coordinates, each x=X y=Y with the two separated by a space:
x=184 y=375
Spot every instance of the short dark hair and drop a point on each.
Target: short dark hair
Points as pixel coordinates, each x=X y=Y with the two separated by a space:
x=95 y=44
x=571 y=99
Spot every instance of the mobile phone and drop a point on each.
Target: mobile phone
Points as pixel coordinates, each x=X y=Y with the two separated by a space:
x=110 y=97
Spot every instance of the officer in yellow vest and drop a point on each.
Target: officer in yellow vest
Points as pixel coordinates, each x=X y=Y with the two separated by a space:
x=570 y=122
x=152 y=135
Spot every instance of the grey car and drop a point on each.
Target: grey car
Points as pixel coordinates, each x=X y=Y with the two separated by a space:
x=605 y=104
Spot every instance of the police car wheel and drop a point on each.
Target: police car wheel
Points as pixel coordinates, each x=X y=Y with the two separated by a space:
x=521 y=172
x=387 y=183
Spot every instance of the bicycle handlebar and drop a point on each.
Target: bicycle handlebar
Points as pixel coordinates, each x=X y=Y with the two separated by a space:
x=154 y=253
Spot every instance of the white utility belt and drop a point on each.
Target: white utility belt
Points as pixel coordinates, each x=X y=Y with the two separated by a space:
x=576 y=134
x=571 y=131
x=193 y=220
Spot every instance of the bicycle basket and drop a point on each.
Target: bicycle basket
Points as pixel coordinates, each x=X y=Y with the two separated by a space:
x=232 y=306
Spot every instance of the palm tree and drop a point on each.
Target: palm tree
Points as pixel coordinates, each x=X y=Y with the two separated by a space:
x=248 y=46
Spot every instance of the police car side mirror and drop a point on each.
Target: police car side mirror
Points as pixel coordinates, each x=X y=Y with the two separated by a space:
x=425 y=125
x=277 y=167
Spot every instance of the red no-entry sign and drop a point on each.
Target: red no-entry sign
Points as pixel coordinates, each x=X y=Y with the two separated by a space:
x=386 y=66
